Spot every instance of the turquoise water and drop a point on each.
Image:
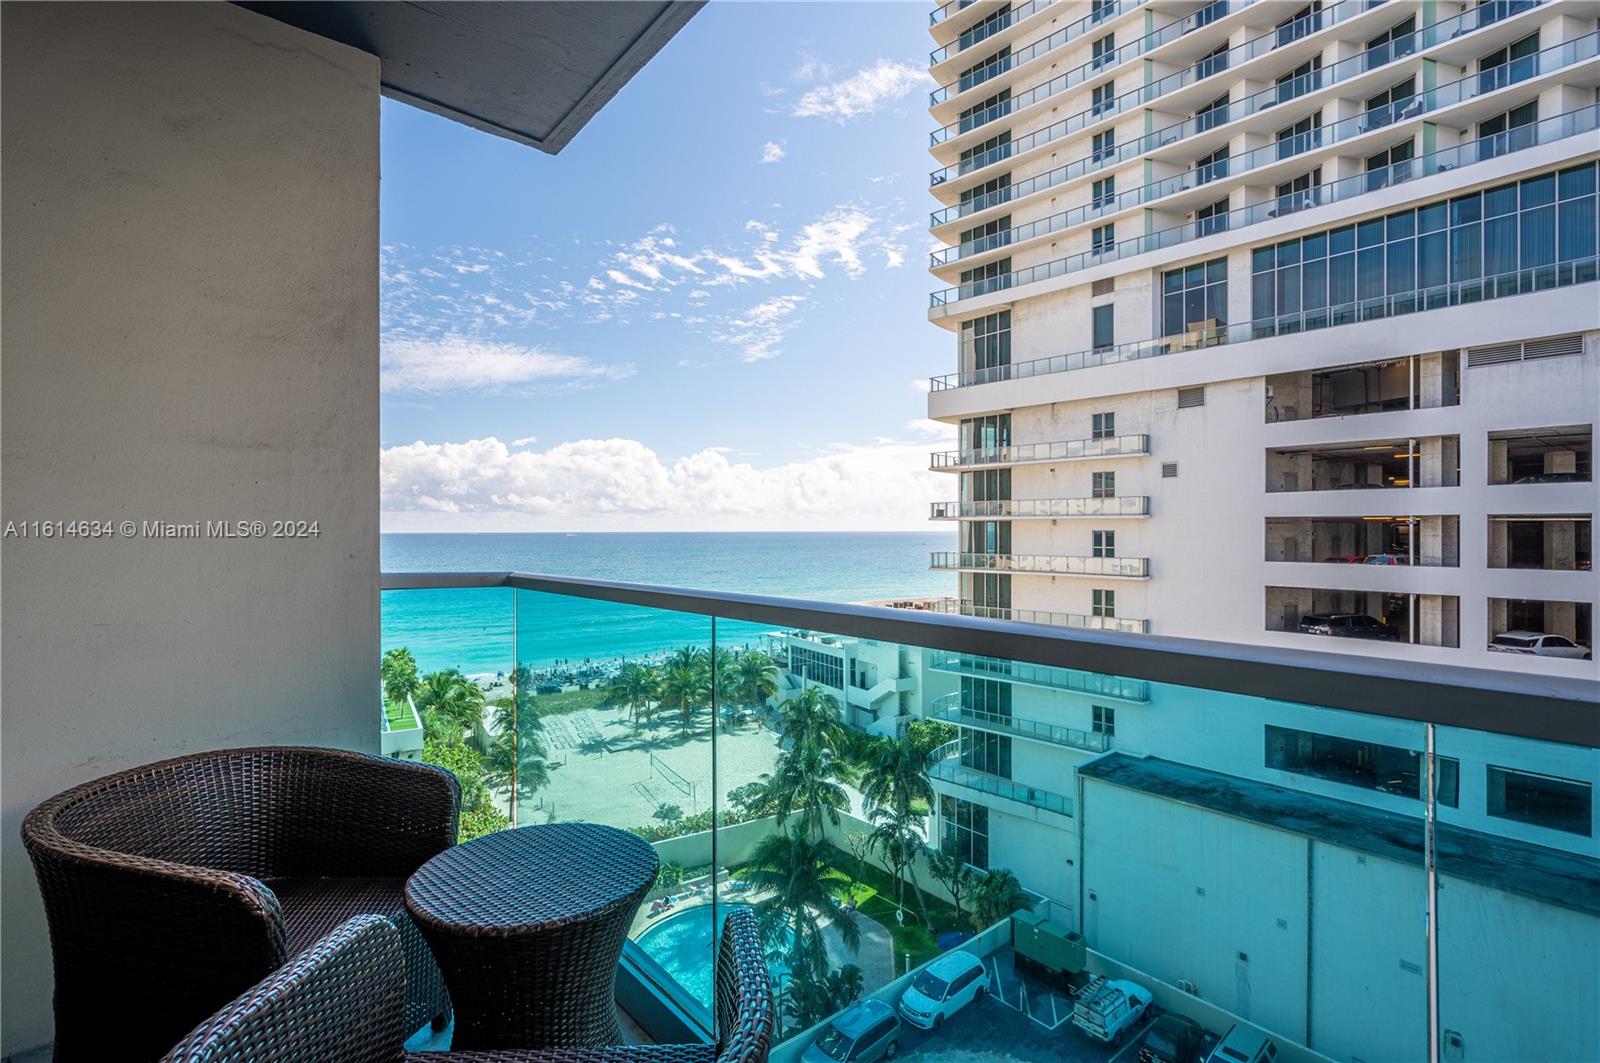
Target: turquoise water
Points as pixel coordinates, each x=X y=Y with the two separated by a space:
x=681 y=944
x=472 y=629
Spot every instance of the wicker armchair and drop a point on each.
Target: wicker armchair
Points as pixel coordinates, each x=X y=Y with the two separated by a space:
x=172 y=888
x=340 y=1001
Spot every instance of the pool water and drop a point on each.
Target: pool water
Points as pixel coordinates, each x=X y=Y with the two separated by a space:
x=681 y=944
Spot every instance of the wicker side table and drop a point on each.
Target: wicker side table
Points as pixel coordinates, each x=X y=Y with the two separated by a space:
x=528 y=925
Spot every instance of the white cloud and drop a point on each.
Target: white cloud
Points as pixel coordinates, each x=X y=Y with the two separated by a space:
x=773 y=151
x=862 y=93
x=758 y=330
x=525 y=441
x=456 y=363
x=611 y=483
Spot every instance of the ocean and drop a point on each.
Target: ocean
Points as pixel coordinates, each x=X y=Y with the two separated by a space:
x=473 y=629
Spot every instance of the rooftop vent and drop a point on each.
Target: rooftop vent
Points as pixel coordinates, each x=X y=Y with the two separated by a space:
x=1501 y=353
x=1188 y=397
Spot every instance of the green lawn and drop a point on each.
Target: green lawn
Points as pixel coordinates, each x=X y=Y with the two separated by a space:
x=874 y=894
x=399 y=716
x=567 y=701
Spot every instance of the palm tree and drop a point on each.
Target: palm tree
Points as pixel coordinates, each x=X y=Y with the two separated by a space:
x=811 y=718
x=954 y=874
x=685 y=685
x=806 y=780
x=996 y=895
x=632 y=688
x=521 y=759
x=897 y=775
x=808 y=1001
x=399 y=672
x=796 y=871
x=898 y=836
x=451 y=697
x=754 y=679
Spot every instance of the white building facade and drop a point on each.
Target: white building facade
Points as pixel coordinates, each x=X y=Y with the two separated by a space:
x=1241 y=292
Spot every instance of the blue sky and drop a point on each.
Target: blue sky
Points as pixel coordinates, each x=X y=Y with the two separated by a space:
x=706 y=312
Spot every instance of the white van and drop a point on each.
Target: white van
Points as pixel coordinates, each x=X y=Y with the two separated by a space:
x=1241 y=1044
x=943 y=988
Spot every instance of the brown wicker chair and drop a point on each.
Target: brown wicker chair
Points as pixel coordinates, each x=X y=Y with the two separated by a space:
x=172 y=888
x=340 y=1002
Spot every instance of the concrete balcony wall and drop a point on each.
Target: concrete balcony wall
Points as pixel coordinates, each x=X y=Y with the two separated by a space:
x=191 y=308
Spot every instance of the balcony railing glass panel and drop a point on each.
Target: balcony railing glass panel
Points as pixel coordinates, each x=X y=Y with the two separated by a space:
x=1062 y=450
x=1044 y=564
x=686 y=716
x=1023 y=508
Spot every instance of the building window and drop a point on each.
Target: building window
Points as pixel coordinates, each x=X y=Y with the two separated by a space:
x=978 y=73
x=1395 y=42
x=1105 y=544
x=985 y=29
x=1103 y=193
x=1213 y=62
x=1299 y=81
x=985 y=433
x=1390 y=167
x=1102 y=238
x=989 y=593
x=1302 y=136
x=1299 y=24
x=1104 y=328
x=1391 y=104
x=986 y=485
x=817 y=667
x=1102 y=98
x=980 y=197
x=1368 y=765
x=1447 y=781
x=1212 y=114
x=1103 y=485
x=1103 y=146
x=985 y=752
x=1297 y=194
x=1542 y=800
x=1512 y=238
x=1103 y=603
x=985 y=111
x=1194 y=297
x=964 y=831
x=992 y=277
x=1212 y=218
x=1210 y=167
x=1105 y=424
x=986 y=341
x=1499 y=135
x=995 y=233
x=1103 y=51
x=980 y=155
x=1100 y=9
x=1105 y=720
x=1505 y=65
x=986 y=696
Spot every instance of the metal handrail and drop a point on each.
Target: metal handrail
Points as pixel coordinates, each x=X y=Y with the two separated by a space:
x=1043 y=564
x=1414 y=106
x=1018 y=14
x=966 y=607
x=1061 y=450
x=1420 y=40
x=1571 y=124
x=951 y=770
x=1498 y=286
x=1532 y=705
x=951 y=708
x=1258 y=46
x=1022 y=508
x=1039 y=46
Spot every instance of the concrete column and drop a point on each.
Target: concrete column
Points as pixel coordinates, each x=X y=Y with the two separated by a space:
x=1561 y=618
x=1429 y=532
x=1561 y=461
x=1430 y=465
x=1499 y=466
x=1560 y=544
x=1499 y=544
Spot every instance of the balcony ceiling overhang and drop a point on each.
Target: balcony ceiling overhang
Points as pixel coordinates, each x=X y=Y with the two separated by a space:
x=530 y=72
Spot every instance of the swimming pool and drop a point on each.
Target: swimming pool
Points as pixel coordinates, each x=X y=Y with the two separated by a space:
x=681 y=944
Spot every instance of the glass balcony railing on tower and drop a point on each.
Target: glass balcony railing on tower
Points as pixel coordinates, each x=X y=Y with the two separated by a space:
x=894 y=800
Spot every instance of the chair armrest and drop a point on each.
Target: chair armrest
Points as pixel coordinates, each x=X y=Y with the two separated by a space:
x=146 y=946
x=607 y=1054
x=343 y=998
x=361 y=816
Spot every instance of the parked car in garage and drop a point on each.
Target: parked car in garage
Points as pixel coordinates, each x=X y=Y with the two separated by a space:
x=866 y=1033
x=1348 y=626
x=1244 y=1044
x=943 y=988
x=1539 y=644
x=1553 y=478
x=1386 y=559
x=1345 y=559
x=1173 y=1039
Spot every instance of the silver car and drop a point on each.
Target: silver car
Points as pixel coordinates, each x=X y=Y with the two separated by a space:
x=1539 y=644
x=868 y=1032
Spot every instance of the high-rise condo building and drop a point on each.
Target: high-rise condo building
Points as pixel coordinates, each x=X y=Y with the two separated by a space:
x=1276 y=324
